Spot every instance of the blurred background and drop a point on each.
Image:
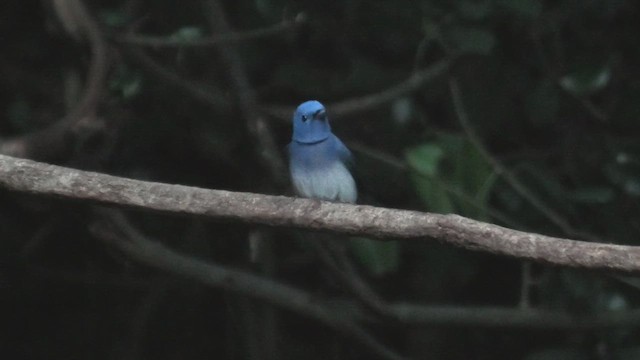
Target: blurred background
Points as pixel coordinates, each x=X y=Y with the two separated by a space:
x=522 y=113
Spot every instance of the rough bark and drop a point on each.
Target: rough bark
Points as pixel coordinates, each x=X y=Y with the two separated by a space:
x=43 y=179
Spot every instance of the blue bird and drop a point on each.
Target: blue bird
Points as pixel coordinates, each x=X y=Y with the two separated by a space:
x=318 y=160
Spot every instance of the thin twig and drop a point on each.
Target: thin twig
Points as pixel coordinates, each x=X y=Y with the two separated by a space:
x=341 y=267
x=526 y=283
x=159 y=256
x=500 y=317
x=554 y=216
x=262 y=137
x=413 y=83
x=589 y=107
x=263 y=254
x=154 y=254
x=43 y=179
x=211 y=96
x=407 y=314
x=257 y=125
x=232 y=37
x=119 y=232
x=54 y=140
x=451 y=189
x=99 y=58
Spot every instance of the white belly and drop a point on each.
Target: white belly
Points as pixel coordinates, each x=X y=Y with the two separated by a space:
x=333 y=183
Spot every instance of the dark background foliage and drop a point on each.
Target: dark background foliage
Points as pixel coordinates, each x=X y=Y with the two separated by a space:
x=550 y=89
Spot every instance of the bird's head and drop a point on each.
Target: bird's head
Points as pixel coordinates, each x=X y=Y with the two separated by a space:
x=310 y=123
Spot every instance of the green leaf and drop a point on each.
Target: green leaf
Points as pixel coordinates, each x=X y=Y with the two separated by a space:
x=524 y=8
x=446 y=167
x=472 y=40
x=625 y=172
x=632 y=187
x=469 y=171
x=587 y=80
x=543 y=102
x=126 y=82
x=19 y=113
x=593 y=195
x=474 y=10
x=187 y=34
x=558 y=354
x=114 y=18
x=433 y=194
x=628 y=354
x=425 y=158
x=378 y=257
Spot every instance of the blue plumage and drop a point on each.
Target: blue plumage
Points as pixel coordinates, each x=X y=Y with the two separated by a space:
x=317 y=158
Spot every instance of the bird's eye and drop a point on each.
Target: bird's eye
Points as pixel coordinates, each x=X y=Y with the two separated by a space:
x=304 y=118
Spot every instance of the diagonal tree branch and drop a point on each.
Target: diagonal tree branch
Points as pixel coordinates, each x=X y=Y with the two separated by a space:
x=239 y=81
x=154 y=254
x=344 y=316
x=38 y=178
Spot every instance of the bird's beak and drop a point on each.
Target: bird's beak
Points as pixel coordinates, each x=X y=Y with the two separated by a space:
x=320 y=114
